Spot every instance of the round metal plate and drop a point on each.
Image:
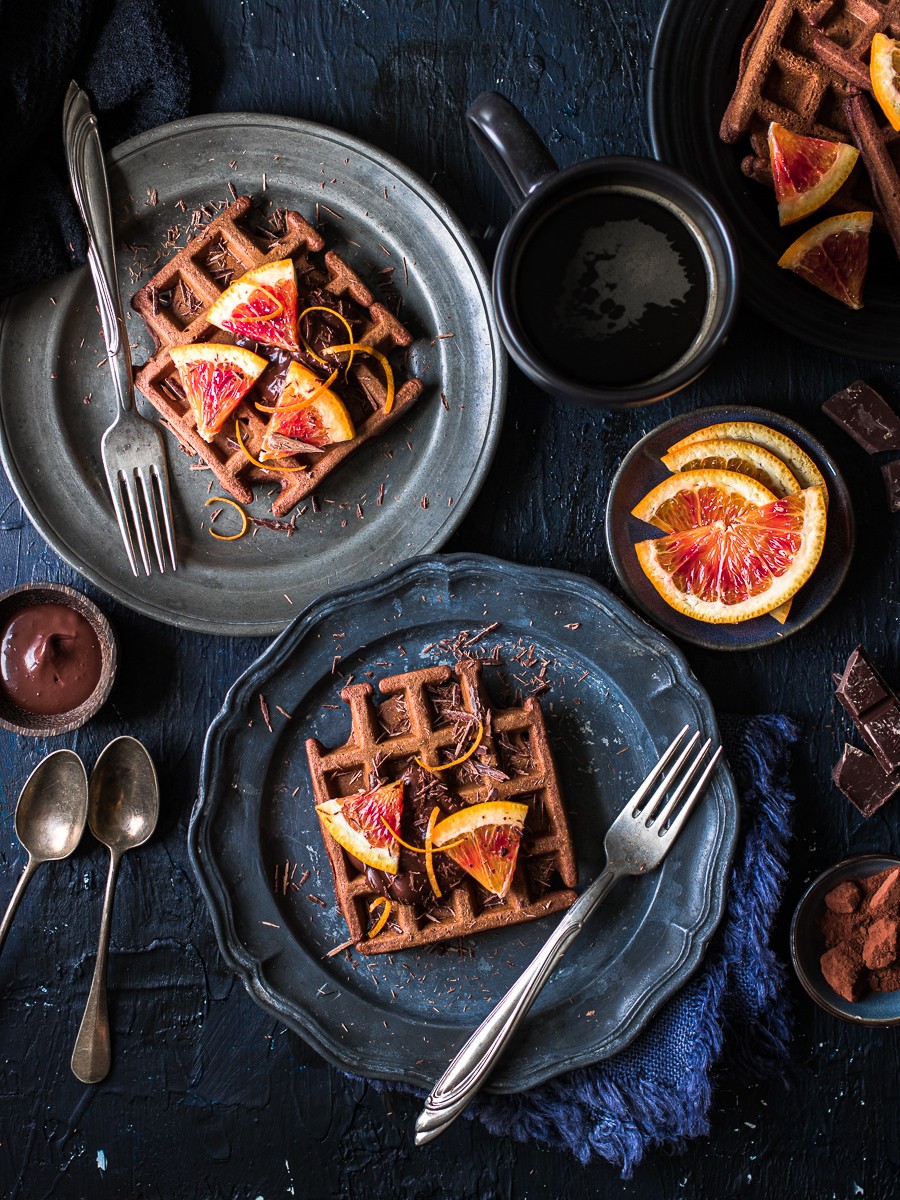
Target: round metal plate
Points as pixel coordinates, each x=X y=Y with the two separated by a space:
x=57 y=396
x=618 y=693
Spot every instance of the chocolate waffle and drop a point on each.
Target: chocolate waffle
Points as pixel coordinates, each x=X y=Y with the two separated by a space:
x=174 y=303
x=801 y=62
x=428 y=713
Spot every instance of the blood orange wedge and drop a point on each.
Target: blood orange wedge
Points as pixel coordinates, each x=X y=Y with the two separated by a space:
x=261 y=305
x=884 y=71
x=215 y=378
x=486 y=838
x=797 y=460
x=360 y=824
x=807 y=171
x=308 y=413
x=730 y=454
x=741 y=559
x=833 y=256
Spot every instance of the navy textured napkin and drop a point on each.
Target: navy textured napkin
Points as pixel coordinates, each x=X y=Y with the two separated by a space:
x=127 y=55
x=658 y=1091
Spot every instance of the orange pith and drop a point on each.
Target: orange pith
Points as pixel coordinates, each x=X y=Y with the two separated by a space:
x=359 y=823
x=730 y=454
x=729 y=557
x=798 y=461
x=833 y=256
x=884 y=71
x=807 y=171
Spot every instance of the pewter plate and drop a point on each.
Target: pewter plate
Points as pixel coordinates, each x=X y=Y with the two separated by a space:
x=56 y=397
x=619 y=692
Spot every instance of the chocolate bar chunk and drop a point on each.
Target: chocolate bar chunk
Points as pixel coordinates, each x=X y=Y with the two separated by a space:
x=863 y=782
x=890 y=473
x=874 y=708
x=862 y=413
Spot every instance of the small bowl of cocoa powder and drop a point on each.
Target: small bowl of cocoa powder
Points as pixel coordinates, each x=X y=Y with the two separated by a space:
x=845 y=940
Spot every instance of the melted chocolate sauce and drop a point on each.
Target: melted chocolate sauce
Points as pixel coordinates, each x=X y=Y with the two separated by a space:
x=50 y=659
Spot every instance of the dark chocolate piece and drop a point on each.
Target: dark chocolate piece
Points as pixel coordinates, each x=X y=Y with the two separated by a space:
x=863 y=782
x=890 y=473
x=874 y=708
x=866 y=416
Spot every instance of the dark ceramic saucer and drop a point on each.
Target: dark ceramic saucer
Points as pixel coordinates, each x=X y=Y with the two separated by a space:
x=642 y=470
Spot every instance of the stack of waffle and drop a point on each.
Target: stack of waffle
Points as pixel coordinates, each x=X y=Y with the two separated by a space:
x=174 y=303
x=421 y=716
x=805 y=65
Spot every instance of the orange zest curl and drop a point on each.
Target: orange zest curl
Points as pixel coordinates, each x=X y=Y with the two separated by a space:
x=255 y=461
x=228 y=537
x=279 y=307
x=291 y=408
x=385 y=366
x=331 y=312
x=462 y=758
x=417 y=849
x=384 y=904
x=429 y=853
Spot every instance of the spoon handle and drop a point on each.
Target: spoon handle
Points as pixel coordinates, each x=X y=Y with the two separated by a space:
x=92 y=1057
x=30 y=867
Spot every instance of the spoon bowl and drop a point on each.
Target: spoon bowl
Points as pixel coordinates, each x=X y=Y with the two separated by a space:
x=124 y=796
x=50 y=818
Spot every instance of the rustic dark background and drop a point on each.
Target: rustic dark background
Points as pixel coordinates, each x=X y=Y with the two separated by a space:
x=209 y=1097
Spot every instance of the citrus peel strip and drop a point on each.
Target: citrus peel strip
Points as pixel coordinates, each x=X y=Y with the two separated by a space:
x=385 y=366
x=415 y=849
x=228 y=537
x=429 y=853
x=279 y=307
x=385 y=905
x=255 y=461
x=334 y=313
x=291 y=408
x=462 y=758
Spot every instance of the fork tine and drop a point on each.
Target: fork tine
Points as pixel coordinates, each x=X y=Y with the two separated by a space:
x=646 y=812
x=659 y=819
x=136 y=521
x=150 y=508
x=165 y=504
x=675 y=828
x=664 y=758
x=115 y=491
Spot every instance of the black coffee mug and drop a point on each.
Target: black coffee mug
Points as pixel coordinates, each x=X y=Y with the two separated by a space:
x=616 y=280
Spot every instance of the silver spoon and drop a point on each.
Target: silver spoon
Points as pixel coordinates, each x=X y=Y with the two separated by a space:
x=50 y=817
x=123 y=807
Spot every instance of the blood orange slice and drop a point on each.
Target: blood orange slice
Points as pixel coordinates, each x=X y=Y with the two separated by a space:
x=484 y=839
x=261 y=305
x=308 y=413
x=360 y=824
x=740 y=559
x=797 y=460
x=730 y=454
x=215 y=378
x=884 y=71
x=807 y=171
x=833 y=256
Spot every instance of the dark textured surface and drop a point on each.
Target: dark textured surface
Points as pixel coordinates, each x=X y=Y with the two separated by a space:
x=209 y=1097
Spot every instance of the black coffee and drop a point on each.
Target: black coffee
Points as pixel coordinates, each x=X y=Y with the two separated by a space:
x=611 y=288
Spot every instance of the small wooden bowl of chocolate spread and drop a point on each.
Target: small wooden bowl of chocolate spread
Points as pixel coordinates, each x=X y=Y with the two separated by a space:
x=58 y=659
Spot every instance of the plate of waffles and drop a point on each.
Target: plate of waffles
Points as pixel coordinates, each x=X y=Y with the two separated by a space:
x=376 y=261
x=804 y=65
x=453 y=686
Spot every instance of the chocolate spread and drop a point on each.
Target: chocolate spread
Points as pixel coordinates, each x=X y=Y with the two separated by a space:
x=50 y=659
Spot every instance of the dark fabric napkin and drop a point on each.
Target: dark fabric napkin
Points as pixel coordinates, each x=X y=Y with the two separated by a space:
x=127 y=55
x=659 y=1090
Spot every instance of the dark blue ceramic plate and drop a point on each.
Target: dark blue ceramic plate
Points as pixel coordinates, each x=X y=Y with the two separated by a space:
x=619 y=692
x=642 y=470
x=808 y=946
x=692 y=75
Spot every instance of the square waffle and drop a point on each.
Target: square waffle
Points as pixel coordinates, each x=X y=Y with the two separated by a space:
x=173 y=306
x=802 y=65
x=513 y=762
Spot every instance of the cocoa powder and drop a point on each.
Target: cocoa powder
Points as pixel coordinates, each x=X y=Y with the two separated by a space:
x=861 y=927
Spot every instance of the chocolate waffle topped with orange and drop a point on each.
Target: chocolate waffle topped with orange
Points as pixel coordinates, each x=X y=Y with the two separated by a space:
x=280 y=408
x=441 y=814
x=805 y=66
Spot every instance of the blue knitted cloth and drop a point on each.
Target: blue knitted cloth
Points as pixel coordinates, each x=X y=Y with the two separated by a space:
x=658 y=1091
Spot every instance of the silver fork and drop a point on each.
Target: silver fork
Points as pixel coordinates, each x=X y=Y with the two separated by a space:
x=133 y=450
x=636 y=842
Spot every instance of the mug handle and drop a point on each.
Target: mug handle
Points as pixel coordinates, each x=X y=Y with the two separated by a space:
x=514 y=152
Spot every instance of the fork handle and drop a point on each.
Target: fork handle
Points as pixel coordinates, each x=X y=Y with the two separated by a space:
x=87 y=173
x=477 y=1058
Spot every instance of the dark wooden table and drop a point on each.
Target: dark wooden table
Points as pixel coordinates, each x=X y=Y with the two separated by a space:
x=209 y=1097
